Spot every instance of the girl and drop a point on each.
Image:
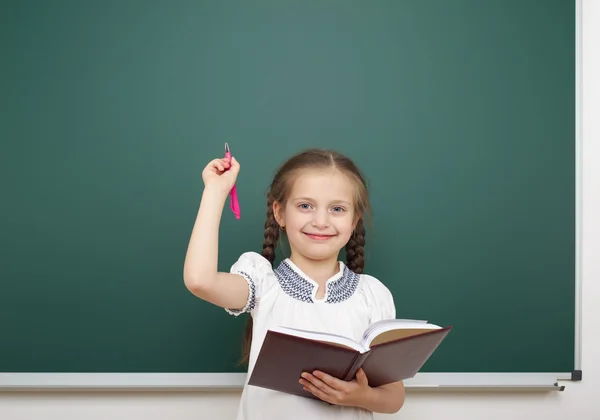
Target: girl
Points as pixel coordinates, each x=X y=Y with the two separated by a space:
x=318 y=200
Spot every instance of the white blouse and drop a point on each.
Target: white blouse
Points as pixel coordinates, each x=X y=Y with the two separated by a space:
x=285 y=296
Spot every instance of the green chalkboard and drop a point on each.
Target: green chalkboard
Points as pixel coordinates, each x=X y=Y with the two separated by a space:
x=461 y=113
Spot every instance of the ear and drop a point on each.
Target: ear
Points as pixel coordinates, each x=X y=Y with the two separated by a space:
x=356 y=219
x=278 y=213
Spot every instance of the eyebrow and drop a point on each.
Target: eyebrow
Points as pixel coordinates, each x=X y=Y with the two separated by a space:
x=312 y=199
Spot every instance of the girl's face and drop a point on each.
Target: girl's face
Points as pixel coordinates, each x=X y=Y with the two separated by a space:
x=319 y=215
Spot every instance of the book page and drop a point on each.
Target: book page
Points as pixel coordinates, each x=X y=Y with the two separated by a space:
x=390 y=322
x=394 y=329
x=322 y=337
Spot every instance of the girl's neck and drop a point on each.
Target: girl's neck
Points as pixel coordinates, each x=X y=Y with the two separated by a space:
x=318 y=270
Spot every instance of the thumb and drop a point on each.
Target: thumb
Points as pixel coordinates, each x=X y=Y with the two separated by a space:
x=361 y=377
x=235 y=166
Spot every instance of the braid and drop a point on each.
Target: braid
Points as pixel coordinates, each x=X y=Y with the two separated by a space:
x=355 y=249
x=268 y=251
x=271 y=233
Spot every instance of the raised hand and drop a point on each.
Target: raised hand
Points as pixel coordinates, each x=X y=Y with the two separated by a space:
x=220 y=174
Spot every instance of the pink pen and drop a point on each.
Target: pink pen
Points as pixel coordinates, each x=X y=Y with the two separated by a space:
x=234 y=205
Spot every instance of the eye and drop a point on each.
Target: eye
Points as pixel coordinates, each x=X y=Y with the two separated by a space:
x=304 y=206
x=338 y=209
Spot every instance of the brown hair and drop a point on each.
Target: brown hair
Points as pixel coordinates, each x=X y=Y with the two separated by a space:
x=278 y=191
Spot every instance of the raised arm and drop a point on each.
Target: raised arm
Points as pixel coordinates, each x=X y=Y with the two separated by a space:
x=200 y=269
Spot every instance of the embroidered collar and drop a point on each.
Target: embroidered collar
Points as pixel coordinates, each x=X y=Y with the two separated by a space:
x=299 y=286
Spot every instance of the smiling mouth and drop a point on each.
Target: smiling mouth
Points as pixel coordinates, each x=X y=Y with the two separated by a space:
x=318 y=237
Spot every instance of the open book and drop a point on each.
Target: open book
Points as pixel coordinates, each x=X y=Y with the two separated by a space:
x=389 y=351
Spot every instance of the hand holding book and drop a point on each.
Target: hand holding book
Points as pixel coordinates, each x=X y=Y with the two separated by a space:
x=334 y=390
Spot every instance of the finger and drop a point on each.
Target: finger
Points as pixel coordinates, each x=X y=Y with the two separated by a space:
x=233 y=169
x=320 y=384
x=361 y=377
x=216 y=164
x=313 y=380
x=220 y=165
x=235 y=166
x=223 y=160
x=332 y=382
x=317 y=392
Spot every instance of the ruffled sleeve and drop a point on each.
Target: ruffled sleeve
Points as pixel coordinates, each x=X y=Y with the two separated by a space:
x=253 y=267
x=380 y=300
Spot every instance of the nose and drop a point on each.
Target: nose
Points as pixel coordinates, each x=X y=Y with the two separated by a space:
x=321 y=219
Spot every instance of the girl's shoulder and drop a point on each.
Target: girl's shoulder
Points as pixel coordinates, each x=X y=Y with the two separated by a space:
x=371 y=284
x=258 y=273
x=254 y=265
x=377 y=297
x=253 y=259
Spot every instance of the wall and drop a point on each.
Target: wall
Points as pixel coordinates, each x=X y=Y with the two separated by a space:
x=575 y=402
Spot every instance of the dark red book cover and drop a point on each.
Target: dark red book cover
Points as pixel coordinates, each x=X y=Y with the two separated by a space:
x=283 y=358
